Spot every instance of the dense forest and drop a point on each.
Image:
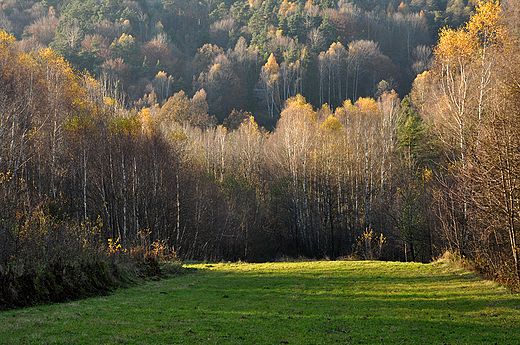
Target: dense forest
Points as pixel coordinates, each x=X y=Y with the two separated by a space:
x=258 y=130
x=262 y=53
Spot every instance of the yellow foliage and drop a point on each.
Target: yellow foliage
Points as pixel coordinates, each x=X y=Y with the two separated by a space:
x=80 y=123
x=161 y=75
x=343 y=112
x=176 y=109
x=366 y=106
x=371 y=246
x=114 y=247
x=271 y=65
x=334 y=47
x=6 y=52
x=249 y=126
x=484 y=26
x=177 y=136
x=298 y=106
x=348 y=106
x=6 y=40
x=90 y=82
x=27 y=61
x=297 y=101
x=455 y=48
x=214 y=69
x=127 y=125
x=159 y=27
x=419 y=88
x=147 y=122
x=6 y=177
x=331 y=125
x=427 y=175
x=254 y=3
x=458 y=48
x=286 y=8
x=125 y=39
x=110 y=101
x=59 y=72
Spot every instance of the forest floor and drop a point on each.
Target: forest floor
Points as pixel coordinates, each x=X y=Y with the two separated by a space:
x=312 y=302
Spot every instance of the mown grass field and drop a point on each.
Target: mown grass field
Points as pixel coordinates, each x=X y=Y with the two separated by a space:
x=322 y=302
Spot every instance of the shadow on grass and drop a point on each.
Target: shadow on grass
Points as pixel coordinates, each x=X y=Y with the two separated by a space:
x=367 y=306
x=322 y=303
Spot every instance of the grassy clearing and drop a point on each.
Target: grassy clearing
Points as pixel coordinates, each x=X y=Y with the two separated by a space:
x=280 y=303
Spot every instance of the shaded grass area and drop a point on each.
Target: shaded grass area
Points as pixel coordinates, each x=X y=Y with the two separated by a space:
x=59 y=282
x=279 y=303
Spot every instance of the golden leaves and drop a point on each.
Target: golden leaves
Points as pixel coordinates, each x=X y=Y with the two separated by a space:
x=485 y=26
x=271 y=65
x=457 y=48
x=128 y=125
x=147 y=122
x=287 y=8
x=366 y=106
x=6 y=40
x=298 y=106
x=331 y=125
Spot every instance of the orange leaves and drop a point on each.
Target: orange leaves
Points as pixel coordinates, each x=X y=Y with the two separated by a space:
x=467 y=65
x=114 y=247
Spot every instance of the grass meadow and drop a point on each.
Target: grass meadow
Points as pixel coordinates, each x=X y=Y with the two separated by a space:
x=314 y=302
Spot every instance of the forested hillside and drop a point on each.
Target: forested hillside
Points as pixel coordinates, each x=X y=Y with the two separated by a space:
x=256 y=130
x=328 y=51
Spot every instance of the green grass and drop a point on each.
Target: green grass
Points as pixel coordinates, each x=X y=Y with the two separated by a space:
x=356 y=302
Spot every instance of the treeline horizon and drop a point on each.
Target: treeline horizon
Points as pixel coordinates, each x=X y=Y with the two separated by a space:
x=379 y=178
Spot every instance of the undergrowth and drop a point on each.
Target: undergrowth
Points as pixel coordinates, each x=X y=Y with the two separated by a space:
x=67 y=281
x=47 y=261
x=503 y=275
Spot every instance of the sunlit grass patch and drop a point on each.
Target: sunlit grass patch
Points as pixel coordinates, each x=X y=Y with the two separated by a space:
x=318 y=302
